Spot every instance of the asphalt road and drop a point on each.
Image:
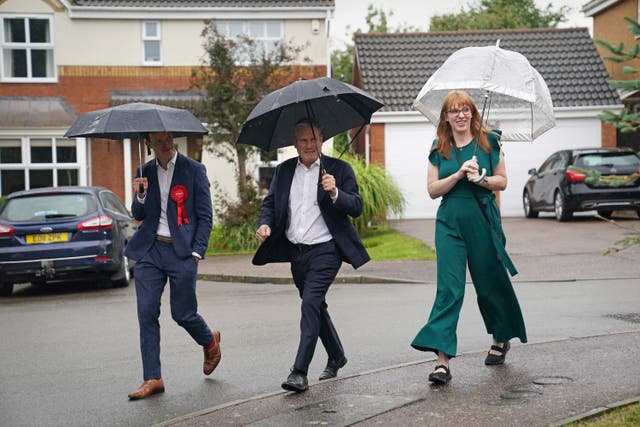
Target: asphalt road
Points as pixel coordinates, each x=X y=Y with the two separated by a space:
x=70 y=354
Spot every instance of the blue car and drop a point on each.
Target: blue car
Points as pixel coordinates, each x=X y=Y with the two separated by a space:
x=63 y=234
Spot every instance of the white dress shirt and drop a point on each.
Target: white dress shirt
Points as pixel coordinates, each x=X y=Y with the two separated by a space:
x=164 y=182
x=306 y=224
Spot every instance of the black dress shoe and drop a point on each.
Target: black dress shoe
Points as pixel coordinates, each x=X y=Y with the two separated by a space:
x=296 y=381
x=331 y=371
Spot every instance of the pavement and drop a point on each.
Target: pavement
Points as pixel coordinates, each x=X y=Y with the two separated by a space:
x=541 y=384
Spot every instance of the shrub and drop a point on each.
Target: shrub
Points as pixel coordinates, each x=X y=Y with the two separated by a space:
x=235 y=222
x=379 y=193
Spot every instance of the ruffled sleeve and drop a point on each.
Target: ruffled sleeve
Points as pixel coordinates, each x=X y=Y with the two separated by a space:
x=434 y=155
x=494 y=146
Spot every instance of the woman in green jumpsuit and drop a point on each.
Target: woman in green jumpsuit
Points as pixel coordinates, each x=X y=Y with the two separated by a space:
x=464 y=236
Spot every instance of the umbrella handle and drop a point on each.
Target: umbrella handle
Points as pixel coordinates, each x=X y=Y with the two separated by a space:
x=481 y=177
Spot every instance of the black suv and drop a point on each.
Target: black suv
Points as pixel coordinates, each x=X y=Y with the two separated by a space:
x=601 y=179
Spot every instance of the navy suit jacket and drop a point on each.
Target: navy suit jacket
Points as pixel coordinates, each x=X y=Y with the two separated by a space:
x=275 y=213
x=185 y=238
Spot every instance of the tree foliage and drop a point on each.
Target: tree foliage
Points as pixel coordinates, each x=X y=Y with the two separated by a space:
x=377 y=20
x=235 y=75
x=627 y=120
x=499 y=14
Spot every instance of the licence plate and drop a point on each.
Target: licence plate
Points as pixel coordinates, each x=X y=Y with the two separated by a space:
x=34 y=239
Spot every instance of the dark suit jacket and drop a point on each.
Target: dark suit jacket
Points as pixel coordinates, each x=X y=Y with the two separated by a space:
x=186 y=238
x=275 y=208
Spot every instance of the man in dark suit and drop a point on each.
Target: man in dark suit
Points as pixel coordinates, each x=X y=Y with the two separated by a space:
x=304 y=220
x=173 y=201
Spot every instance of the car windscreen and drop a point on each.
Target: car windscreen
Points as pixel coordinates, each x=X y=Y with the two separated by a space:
x=623 y=161
x=48 y=206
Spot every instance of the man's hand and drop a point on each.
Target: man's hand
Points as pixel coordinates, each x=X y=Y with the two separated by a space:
x=329 y=184
x=263 y=232
x=137 y=187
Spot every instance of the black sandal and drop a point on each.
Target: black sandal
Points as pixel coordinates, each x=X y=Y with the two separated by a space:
x=440 y=378
x=494 y=359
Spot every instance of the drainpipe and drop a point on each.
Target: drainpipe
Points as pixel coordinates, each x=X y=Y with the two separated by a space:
x=367 y=147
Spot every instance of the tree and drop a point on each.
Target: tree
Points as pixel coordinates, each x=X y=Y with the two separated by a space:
x=627 y=120
x=377 y=22
x=499 y=14
x=234 y=76
x=342 y=59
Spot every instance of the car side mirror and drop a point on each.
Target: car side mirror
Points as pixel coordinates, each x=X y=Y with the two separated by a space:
x=533 y=171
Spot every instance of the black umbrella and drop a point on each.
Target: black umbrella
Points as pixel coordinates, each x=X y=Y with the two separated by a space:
x=133 y=120
x=335 y=106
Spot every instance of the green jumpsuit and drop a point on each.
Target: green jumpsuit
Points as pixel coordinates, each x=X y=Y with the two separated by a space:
x=463 y=236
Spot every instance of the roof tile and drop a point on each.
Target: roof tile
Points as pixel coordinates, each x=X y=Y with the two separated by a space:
x=202 y=3
x=395 y=66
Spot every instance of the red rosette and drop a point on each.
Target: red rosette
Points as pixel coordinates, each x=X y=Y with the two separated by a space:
x=179 y=194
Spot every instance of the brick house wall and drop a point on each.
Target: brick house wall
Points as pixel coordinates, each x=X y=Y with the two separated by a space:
x=87 y=88
x=610 y=26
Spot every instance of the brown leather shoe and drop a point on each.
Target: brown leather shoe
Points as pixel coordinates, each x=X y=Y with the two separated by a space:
x=148 y=388
x=212 y=356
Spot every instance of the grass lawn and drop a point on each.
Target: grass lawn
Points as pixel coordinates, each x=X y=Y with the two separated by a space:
x=626 y=416
x=384 y=243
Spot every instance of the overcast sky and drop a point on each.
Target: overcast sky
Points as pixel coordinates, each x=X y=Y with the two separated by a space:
x=349 y=15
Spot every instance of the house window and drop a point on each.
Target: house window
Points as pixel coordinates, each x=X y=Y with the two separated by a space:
x=26 y=44
x=266 y=34
x=37 y=162
x=151 y=38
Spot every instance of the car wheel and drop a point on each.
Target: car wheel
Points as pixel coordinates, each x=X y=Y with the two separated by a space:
x=6 y=289
x=529 y=212
x=561 y=211
x=123 y=275
x=605 y=214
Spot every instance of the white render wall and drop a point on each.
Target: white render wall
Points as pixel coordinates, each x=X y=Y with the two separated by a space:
x=181 y=42
x=408 y=137
x=25 y=6
x=118 y=41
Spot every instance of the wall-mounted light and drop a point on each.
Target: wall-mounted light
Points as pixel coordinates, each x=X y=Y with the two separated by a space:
x=315 y=26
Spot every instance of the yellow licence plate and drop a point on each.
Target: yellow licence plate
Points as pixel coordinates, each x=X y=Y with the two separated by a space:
x=33 y=239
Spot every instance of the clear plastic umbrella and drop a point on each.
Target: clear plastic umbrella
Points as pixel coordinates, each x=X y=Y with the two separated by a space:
x=512 y=94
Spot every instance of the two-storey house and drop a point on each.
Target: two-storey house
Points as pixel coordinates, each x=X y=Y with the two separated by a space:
x=62 y=58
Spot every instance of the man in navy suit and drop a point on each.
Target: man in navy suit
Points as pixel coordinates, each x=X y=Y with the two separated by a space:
x=304 y=220
x=173 y=201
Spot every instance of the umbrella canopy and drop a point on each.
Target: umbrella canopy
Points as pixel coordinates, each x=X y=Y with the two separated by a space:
x=334 y=105
x=517 y=98
x=133 y=119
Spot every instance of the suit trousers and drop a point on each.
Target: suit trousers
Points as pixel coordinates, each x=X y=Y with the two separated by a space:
x=151 y=274
x=313 y=272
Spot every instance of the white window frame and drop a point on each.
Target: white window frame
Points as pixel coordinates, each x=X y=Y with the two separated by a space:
x=28 y=47
x=147 y=38
x=223 y=29
x=26 y=165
